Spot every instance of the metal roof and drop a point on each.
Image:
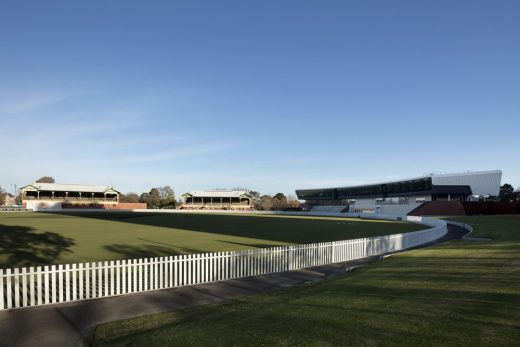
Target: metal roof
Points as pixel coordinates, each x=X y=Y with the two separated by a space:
x=432 y=175
x=217 y=193
x=66 y=187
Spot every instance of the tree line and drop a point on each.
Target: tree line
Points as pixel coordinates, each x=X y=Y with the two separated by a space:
x=508 y=193
x=277 y=202
x=159 y=197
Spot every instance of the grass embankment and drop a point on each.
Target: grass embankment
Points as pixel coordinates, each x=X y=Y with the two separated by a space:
x=28 y=239
x=461 y=293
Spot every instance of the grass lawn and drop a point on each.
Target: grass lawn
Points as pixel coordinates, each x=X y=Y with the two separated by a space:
x=460 y=293
x=52 y=238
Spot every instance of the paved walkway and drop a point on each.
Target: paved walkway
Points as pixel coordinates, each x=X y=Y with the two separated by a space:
x=68 y=324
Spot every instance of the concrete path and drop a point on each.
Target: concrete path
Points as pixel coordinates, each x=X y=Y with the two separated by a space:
x=68 y=324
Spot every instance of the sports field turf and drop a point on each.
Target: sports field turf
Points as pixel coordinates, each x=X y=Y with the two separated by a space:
x=52 y=238
x=462 y=293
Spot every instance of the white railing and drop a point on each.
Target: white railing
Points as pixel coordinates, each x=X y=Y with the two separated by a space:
x=42 y=285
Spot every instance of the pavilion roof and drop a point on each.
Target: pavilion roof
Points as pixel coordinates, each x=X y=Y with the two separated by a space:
x=67 y=187
x=217 y=193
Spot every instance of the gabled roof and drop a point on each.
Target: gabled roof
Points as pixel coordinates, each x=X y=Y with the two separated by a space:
x=65 y=187
x=217 y=194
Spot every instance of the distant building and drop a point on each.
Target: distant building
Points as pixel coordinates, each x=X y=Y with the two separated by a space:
x=217 y=200
x=55 y=196
x=403 y=196
x=10 y=200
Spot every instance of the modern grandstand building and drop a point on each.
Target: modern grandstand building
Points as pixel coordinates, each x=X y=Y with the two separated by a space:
x=403 y=196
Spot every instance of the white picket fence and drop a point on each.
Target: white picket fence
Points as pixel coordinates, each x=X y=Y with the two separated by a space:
x=42 y=285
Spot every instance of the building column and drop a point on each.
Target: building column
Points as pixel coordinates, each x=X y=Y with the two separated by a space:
x=52 y=195
x=38 y=195
x=80 y=195
x=105 y=196
x=92 y=196
x=66 y=195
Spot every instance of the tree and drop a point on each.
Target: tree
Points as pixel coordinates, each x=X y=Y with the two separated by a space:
x=255 y=199
x=145 y=198
x=155 y=198
x=266 y=203
x=166 y=197
x=45 y=179
x=254 y=194
x=279 y=201
x=507 y=193
x=18 y=199
x=129 y=197
x=292 y=202
x=2 y=196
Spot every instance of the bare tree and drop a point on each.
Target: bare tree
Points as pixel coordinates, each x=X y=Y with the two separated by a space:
x=129 y=197
x=266 y=203
x=292 y=202
x=166 y=196
x=2 y=197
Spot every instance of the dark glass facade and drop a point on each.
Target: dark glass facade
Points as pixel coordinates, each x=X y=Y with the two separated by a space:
x=392 y=189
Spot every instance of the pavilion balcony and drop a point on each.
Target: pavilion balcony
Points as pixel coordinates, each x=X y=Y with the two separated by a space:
x=72 y=198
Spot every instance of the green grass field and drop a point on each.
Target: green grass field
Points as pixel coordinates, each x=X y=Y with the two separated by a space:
x=461 y=293
x=52 y=238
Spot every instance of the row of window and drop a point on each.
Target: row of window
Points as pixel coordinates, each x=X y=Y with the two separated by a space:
x=374 y=190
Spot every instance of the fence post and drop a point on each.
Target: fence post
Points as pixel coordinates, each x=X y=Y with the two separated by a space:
x=155 y=273
x=100 y=281
x=183 y=266
x=123 y=270
x=39 y=282
x=9 y=289
x=142 y=275
x=117 y=273
x=2 y=289
x=74 y=282
x=93 y=287
x=67 y=282
x=170 y=272
x=16 y=288
x=24 y=287
x=80 y=273
x=32 y=296
x=175 y=272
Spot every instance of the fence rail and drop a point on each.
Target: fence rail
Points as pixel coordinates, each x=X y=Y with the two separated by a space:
x=42 y=285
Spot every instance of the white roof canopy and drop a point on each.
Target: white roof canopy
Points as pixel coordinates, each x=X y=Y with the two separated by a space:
x=217 y=194
x=61 y=187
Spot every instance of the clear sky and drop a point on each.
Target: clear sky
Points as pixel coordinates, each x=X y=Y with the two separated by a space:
x=268 y=95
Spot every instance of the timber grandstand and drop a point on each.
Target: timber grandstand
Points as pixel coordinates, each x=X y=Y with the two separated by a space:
x=58 y=196
x=219 y=199
x=433 y=194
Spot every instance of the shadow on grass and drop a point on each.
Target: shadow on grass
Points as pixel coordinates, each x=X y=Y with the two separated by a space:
x=279 y=229
x=255 y=245
x=148 y=251
x=23 y=246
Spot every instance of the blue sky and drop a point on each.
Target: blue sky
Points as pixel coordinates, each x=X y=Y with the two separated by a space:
x=269 y=95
